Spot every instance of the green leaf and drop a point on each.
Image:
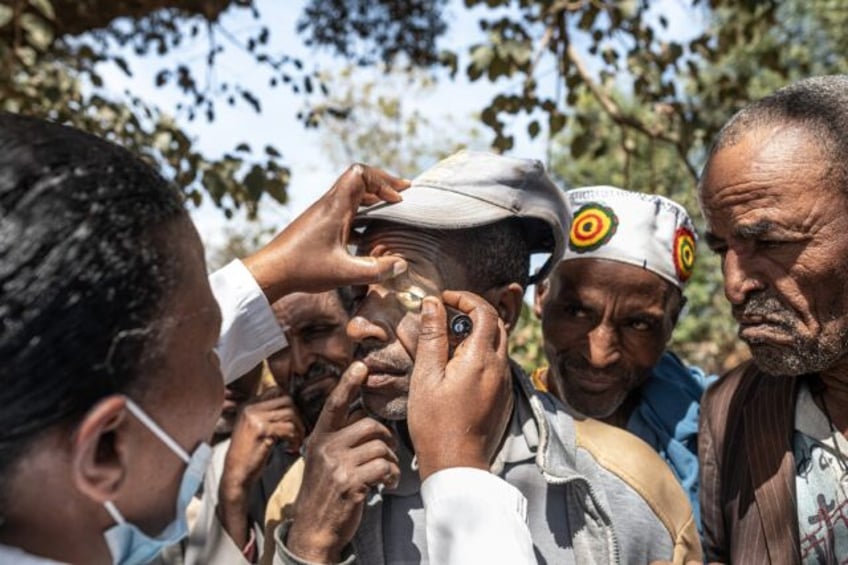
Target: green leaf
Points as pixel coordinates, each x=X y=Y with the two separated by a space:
x=276 y=187
x=556 y=121
x=6 y=14
x=214 y=185
x=45 y=7
x=251 y=99
x=38 y=31
x=503 y=142
x=271 y=151
x=533 y=129
x=481 y=58
x=27 y=55
x=450 y=60
x=122 y=64
x=243 y=147
x=587 y=19
x=498 y=67
x=254 y=182
x=580 y=144
x=195 y=197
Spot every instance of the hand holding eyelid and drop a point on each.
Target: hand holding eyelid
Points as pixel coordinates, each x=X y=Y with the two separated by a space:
x=459 y=406
x=412 y=297
x=312 y=253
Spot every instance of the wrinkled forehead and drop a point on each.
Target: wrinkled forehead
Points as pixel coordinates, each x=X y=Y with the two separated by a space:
x=399 y=237
x=615 y=279
x=767 y=173
x=426 y=251
x=767 y=154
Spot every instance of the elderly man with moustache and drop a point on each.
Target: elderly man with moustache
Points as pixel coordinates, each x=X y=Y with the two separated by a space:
x=590 y=492
x=269 y=429
x=773 y=431
x=608 y=310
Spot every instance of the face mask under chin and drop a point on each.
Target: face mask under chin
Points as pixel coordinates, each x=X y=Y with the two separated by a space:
x=128 y=544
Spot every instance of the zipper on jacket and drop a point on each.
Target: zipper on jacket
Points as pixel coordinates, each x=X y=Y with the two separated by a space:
x=542 y=425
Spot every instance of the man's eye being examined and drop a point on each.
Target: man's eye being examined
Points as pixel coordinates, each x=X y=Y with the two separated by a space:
x=411 y=299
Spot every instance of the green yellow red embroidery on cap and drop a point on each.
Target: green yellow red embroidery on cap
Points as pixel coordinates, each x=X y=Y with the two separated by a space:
x=593 y=226
x=684 y=253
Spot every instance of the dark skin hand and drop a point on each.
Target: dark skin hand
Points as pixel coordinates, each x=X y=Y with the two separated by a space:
x=345 y=457
x=311 y=254
x=459 y=408
x=272 y=417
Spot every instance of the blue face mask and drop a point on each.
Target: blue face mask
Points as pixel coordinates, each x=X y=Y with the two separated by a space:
x=127 y=543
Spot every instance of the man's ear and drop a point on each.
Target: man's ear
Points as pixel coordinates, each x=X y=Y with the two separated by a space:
x=98 y=456
x=539 y=293
x=507 y=300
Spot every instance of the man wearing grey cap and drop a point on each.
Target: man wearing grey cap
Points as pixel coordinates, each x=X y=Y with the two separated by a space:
x=587 y=492
x=608 y=310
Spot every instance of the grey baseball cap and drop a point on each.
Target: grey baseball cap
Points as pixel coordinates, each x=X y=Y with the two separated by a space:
x=470 y=189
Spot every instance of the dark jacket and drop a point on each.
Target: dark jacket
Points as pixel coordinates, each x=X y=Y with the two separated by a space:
x=748 y=505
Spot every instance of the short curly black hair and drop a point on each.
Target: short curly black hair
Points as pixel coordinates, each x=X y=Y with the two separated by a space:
x=493 y=255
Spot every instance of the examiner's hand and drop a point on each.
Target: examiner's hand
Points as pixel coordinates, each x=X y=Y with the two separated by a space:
x=459 y=408
x=311 y=254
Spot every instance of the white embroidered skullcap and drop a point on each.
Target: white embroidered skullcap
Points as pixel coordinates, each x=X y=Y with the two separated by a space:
x=645 y=230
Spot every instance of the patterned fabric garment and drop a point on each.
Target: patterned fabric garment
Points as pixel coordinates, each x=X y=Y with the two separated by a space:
x=821 y=483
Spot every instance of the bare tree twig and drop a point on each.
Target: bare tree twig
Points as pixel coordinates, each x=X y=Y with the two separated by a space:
x=609 y=105
x=567 y=6
x=620 y=117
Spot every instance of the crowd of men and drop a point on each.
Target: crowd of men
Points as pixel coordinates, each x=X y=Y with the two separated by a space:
x=359 y=426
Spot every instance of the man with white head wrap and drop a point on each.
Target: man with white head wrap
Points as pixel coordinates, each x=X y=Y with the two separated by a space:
x=608 y=310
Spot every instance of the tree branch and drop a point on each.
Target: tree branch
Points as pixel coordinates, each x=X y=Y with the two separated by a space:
x=609 y=105
x=543 y=44
x=620 y=117
x=566 y=6
x=80 y=16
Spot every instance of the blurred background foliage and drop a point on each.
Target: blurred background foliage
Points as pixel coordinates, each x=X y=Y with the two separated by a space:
x=632 y=103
